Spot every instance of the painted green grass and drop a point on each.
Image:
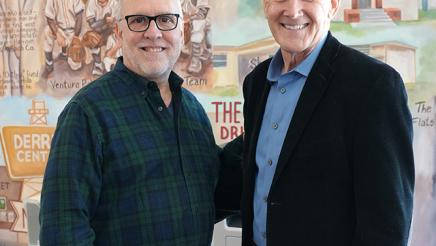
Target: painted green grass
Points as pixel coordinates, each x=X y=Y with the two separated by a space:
x=428 y=16
x=336 y=27
x=229 y=91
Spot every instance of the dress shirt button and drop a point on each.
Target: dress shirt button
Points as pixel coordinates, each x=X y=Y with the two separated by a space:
x=265 y=199
x=160 y=108
x=264 y=235
x=275 y=125
x=270 y=162
x=283 y=90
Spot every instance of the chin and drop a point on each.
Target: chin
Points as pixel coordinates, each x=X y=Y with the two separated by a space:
x=153 y=73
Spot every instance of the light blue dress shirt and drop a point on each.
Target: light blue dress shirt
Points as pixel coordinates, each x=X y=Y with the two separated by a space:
x=282 y=100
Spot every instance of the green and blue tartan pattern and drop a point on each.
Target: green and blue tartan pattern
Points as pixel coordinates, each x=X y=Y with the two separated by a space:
x=123 y=170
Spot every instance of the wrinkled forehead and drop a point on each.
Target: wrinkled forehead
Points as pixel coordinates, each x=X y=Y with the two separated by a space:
x=150 y=7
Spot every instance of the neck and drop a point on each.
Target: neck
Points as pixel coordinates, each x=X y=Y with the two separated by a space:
x=291 y=60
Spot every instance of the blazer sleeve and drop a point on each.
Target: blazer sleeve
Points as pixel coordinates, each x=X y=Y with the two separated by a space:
x=229 y=188
x=383 y=165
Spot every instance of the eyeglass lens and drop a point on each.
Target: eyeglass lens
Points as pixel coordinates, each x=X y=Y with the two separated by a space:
x=141 y=22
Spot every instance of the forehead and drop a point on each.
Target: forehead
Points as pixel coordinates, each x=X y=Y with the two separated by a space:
x=151 y=7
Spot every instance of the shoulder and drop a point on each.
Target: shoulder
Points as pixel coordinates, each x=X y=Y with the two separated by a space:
x=190 y=98
x=100 y=90
x=359 y=69
x=193 y=106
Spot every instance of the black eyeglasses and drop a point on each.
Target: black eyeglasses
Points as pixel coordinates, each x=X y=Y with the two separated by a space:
x=140 y=23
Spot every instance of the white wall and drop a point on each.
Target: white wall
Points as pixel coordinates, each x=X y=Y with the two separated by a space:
x=409 y=8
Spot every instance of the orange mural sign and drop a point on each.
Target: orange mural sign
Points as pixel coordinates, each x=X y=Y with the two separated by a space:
x=26 y=150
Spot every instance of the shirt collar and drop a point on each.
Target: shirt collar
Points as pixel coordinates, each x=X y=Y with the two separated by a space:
x=141 y=82
x=276 y=65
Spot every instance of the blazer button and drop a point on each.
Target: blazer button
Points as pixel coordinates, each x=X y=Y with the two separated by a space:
x=160 y=108
x=275 y=203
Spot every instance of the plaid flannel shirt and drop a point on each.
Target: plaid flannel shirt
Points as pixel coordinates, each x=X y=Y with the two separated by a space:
x=123 y=170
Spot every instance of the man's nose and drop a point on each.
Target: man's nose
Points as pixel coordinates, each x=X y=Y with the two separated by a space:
x=153 y=32
x=294 y=8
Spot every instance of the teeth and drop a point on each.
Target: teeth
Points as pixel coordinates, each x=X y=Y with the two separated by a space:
x=153 y=49
x=295 y=27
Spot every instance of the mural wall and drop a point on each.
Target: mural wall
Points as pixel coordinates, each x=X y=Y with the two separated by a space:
x=50 y=49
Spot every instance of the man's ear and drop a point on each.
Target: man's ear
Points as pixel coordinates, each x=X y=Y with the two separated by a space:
x=335 y=6
x=266 y=4
x=119 y=32
x=182 y=31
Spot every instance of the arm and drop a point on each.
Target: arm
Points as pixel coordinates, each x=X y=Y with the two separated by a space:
x=78 y=23
x=383 y=165
x=52 y=25
x=229 y=187
x=101 y=25
x=72 y=181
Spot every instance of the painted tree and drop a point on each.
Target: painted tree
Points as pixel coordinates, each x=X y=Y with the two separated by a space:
x=425 y=5
x=250 y=7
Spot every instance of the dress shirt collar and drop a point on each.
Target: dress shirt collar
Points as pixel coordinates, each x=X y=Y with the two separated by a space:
x=142 y=83
x=276 y=65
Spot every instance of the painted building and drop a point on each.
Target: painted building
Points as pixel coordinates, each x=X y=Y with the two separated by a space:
x=233 y=63
x=352 y=11
x=427 y=4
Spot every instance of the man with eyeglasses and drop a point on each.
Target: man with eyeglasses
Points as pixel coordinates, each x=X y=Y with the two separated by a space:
x=133 y=160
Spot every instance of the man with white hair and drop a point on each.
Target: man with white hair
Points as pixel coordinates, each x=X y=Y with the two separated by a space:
x=328 y=154
x=133 y=160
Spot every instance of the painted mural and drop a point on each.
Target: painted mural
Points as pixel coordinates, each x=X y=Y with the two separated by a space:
x=50 y=49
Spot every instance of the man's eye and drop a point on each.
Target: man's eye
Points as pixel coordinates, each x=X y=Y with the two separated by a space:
x=139 y=20
x=166 y=19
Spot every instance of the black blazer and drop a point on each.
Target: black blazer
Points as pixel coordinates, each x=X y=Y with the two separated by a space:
x=345 y=174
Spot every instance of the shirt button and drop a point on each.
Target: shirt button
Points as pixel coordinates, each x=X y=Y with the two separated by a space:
x=264 y=235
x=283 y=90
x=275 y=125
x=143 y=93
x=265 y=199
x=270 y=162
x=160 y=108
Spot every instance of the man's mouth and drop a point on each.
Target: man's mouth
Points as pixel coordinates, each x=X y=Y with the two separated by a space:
x=153 y=49
x=295 y=27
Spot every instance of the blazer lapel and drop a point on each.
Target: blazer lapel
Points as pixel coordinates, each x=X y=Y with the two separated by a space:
x=314 y=88
x=258 y=111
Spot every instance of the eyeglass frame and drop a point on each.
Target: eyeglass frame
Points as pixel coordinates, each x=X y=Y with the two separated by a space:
x=152 y=18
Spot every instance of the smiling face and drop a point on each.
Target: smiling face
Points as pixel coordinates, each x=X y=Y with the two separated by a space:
x=298 y=25
x=152 y=53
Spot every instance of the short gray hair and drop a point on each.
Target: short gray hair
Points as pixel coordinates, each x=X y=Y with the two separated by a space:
x=118 y=13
